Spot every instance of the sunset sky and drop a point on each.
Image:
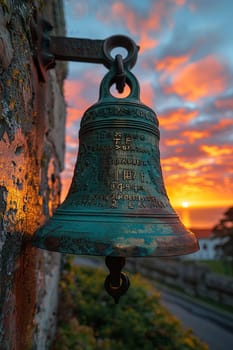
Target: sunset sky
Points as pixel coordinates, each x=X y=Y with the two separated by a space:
x=185 y=70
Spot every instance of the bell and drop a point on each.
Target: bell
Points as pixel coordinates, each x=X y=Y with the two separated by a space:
x=117 y=204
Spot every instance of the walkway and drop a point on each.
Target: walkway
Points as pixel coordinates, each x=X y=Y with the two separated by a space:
x=212 y=327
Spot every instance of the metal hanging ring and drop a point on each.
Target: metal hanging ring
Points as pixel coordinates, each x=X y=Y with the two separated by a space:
x=110 y=79
x=120 y=41
x=117 y=292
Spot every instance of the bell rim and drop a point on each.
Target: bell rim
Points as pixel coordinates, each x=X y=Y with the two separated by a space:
x=117 y=238
x=161 y=249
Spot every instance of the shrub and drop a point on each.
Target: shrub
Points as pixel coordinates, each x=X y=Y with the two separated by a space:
x=89 y=319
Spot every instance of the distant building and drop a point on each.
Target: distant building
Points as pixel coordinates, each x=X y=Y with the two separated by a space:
x=207 y=251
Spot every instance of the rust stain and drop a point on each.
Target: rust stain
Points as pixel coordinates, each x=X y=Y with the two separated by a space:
x=25 y=291
x=15 y=73
x=12 y=104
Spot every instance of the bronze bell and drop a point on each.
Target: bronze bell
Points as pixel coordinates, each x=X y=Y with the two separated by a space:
x=117 y=204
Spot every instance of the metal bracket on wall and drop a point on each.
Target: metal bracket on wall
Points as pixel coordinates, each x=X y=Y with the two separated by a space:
x=48 y=49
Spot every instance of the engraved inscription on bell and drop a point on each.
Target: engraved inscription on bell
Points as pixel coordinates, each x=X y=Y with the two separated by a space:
x=116 y=169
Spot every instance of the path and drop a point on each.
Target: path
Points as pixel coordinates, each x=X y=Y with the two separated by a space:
x=213 y=328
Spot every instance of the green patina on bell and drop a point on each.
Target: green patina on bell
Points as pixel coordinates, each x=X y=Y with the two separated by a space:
x=117 y=204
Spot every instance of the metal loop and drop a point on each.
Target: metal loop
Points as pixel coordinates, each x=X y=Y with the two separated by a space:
x=117 y=292
x=120 y=74
x=120 y=41
x=110 y=79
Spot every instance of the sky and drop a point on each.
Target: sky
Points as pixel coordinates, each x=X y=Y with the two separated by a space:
x=185 y=71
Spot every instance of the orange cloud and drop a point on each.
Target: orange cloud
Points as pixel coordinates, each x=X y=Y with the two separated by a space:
x=224 y=103
x=198 y=187
x=183 y=165
x=199 y=79
x=195 y=135
x=215 y=151
x=202 y=179
x=66 y=182
x=173 y=142
x=134 y=21
x=72 y=89
x=73 y=115
x=119 y=9
x=77 y=90
x=192 y=164
x=147 y=94
x=146 y=42
x=171 y=120
x=171 y=63
x=141 y=25
x=222 y=124
x=180 y=2
x=72 y=140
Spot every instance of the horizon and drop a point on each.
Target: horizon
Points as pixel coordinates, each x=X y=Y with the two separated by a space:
x=200 y=218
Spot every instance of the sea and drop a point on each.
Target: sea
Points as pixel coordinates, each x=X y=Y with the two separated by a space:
x=201 y=217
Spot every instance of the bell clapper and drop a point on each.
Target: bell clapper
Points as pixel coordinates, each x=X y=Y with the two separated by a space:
x=116 y=283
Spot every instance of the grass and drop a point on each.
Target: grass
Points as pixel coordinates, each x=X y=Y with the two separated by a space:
x=220 y=267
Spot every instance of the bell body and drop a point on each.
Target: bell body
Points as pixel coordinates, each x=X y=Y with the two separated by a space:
x=117 y=204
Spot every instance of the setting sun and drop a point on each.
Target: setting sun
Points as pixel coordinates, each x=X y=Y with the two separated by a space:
x=185 y=204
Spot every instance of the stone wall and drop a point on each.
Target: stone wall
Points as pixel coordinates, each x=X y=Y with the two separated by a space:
x=32 y=118
x=192 y=278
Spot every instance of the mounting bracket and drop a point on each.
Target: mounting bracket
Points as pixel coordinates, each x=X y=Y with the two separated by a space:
x=48 y=49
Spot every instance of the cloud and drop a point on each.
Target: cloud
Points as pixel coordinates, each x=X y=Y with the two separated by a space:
x=224 y=123
x=224 y=103
x=72 y=90
x=73 y=116
x=198 y=181
x=215 y=151
x=203 y=78
x=173 y=142
x=146 y=42
x=173 y=118
x=147 y=94
x=144 y=24
x=134 y=20
x=170 y=64
x=221 y=131
x=66 y=182
x=193 y=135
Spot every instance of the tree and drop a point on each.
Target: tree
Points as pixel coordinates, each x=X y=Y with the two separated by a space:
x=224 y=232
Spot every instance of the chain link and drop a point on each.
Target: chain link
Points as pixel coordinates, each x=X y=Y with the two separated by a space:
x=120 y=77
